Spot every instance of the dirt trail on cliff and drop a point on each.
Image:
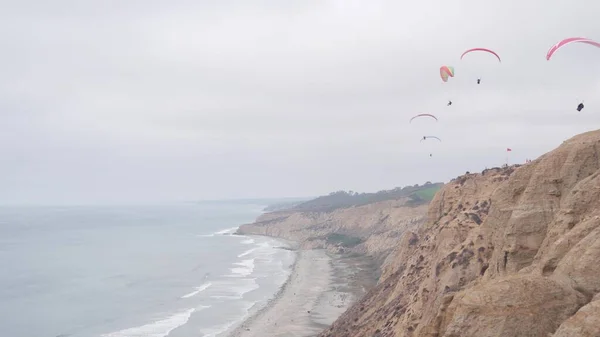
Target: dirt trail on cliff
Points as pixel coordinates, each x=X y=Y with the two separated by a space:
x=509 y=252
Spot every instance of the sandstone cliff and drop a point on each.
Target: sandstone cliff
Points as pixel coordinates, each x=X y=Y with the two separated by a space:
x=509 y=252
x=373 y=229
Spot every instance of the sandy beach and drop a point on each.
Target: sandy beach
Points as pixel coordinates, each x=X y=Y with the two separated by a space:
x=318 y=291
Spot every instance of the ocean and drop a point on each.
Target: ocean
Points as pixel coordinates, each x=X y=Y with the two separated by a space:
x=133 y=271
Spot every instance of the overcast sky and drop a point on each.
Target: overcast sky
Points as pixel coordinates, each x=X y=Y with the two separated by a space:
x=149 y=101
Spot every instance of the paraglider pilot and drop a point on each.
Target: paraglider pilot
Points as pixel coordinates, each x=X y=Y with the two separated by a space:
x=478 y=80
x=424 y=137
x=449 y=103
x=580 y=106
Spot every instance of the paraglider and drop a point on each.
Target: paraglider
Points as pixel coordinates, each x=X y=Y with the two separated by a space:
x=480 y=49
x=445 y=72
x=567 y=41
x=434 y=137
x=423 y=115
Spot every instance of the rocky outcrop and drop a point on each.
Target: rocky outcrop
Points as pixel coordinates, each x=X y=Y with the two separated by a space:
x=373 y=229
x=585 y=323
x=509 y=252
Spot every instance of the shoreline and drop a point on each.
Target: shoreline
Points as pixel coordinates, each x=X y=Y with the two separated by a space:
x=319 y=289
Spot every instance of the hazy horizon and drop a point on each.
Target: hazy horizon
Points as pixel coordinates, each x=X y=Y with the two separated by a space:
x=105 y=102
x=263 y=201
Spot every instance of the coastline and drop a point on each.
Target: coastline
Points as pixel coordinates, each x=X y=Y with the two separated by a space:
x=319 y=289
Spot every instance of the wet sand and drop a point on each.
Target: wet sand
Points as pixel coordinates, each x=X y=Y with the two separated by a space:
x=318 y=291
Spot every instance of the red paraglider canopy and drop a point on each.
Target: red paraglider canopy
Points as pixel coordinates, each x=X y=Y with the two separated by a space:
x=480 y=49
x=567 y=41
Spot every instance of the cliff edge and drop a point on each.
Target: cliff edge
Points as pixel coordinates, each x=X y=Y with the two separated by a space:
x=512 y=251
x=358 y=223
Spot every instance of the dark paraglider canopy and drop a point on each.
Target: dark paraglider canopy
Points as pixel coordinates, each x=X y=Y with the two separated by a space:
x=434 y=137
x=423 y=115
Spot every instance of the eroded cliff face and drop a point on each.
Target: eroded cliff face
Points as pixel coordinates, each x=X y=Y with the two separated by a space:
x=375 y=228
x=510 y=252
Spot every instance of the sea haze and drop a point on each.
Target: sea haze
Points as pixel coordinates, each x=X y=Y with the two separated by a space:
x=149 y=271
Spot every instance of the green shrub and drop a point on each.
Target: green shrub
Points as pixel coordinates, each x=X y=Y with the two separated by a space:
x=343 y=240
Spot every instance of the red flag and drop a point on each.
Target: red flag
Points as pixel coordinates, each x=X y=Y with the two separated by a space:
x=508 y=149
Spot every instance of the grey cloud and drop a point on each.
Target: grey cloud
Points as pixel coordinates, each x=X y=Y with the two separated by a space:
x=141 y=101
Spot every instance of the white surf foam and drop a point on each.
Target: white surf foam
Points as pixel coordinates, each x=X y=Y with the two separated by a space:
x=266 y=245
x=264 y=252
x=227 y=231
x=205 y=235
x=222 y=328
x=246 y=267
x=234 y=288
x=248 y=242
x=249 y=251
x=217 y=330
x=198 y=290
x=159 y=328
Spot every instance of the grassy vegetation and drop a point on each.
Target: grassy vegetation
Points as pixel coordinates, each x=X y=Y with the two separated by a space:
x=428 y=193
x=281 y=205
x=343 y=240
x=342 y=199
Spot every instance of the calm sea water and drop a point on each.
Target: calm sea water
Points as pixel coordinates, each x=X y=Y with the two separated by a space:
x=133 y=271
